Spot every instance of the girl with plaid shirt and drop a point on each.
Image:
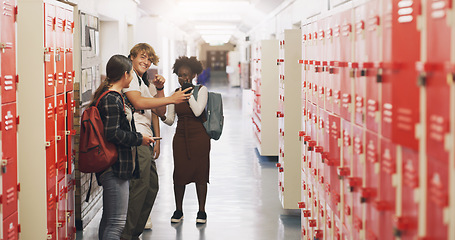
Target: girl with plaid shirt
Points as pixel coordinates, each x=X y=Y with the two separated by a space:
x=119 y=129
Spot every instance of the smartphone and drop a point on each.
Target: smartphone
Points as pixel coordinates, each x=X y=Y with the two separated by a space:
x=157 y=138
x=186 y=85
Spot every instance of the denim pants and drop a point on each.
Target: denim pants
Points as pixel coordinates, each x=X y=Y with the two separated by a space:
x=115 y=206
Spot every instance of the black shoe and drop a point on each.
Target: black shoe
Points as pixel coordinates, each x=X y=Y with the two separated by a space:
x=201 y=217
x=177 y=217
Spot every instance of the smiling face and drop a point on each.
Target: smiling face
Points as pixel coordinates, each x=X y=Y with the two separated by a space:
x=141 y=63
x=185 y=74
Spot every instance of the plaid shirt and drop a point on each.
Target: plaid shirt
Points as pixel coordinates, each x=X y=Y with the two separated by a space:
x=118 y=131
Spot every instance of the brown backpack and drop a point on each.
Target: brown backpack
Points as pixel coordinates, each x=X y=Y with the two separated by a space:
x=96 y=154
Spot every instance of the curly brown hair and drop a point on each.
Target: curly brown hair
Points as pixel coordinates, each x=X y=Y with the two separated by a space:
x=191 y=62
x=144 y=47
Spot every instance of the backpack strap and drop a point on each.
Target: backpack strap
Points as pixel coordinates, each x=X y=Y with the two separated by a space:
x=106 y=92
x=196 y=91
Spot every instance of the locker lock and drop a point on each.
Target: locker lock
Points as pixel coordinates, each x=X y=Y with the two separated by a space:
x=312 y=223
x=343 y=172
x=3 y=47
x=422 y=79
x=318 y=234
x=302 y=204
x=4 y=163
x=379 y=75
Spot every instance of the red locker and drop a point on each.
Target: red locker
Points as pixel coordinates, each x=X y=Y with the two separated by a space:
x=369 y=193
x=355 y=182
x=345 y=173
x=405 y=53
x=323 y=70
x=49 y=49
x=437 y=198
x=359 y=57
x=60 y=21
x=439 y=40
x=335 y=65
x=407 y=223
x=8 y=75
x=387 y=71
x=50 y=143
x=70 y=131
x=70 y=221
x=51 y=214
x=346 y=82
x=61 y=210
x=11 y=227
x=333 y=160
x=370 y=68
x=69 y=70
x=329 y=58
x=61 y=136
x=9 y=159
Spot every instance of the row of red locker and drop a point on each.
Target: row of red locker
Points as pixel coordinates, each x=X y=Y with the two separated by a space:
x=356 y=174
x=9 y=121
x=60 y=166
x=59 y=107
x=352 y=55
x=58 y=49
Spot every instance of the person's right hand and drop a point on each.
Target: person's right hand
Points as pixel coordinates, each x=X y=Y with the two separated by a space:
x=180 y=96
x=147 y=140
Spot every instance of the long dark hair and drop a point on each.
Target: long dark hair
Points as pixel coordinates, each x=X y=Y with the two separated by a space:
x=115 y=68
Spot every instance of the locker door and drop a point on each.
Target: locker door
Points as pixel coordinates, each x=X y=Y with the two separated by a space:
x=405 y=53
x=345 y=172
x=437 y=198
x=70 y=222
x=407 y=223
x=61 y=210
x=50 y=143
x=60 y=21
x=69 y=71
x=51 y=214
x=8 y=51
x=386 y=203
x=11 y=227
x=9 y=159
x=329 y=58
x=321 y=70
x=346 y=48
x=334 y=70
x=333 y=162
x=370 y=190
x=437 y=88
x=370 y=68
x=387 y=71
x=49 y=49
x=61 y=137
x=356 y=181
x=70 y=132
x=359 y=57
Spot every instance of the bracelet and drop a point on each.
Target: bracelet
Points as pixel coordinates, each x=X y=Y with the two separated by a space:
x=159 y=89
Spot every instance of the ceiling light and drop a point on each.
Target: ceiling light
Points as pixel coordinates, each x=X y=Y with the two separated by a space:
x=215 y=26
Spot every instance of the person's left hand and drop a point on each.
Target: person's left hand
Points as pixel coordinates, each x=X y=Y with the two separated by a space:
x=159 y=81
x=156 y=150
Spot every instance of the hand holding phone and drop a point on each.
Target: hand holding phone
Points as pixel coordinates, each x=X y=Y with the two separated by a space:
x=186 y=85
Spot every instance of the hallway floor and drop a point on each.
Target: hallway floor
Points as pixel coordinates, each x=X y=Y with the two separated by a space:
x=242 y=199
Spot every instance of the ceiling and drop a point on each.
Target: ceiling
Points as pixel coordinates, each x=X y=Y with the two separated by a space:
x=214 y=21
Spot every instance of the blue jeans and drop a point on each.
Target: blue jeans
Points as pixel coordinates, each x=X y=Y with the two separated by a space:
x=115 y=206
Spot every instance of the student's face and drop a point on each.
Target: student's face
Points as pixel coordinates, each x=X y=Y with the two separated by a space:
x=185 y=74
x=141 y=63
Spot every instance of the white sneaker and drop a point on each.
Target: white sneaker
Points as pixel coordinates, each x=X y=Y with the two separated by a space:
x=148 y=225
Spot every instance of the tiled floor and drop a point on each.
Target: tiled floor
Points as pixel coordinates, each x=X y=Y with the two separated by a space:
x=242 y=201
